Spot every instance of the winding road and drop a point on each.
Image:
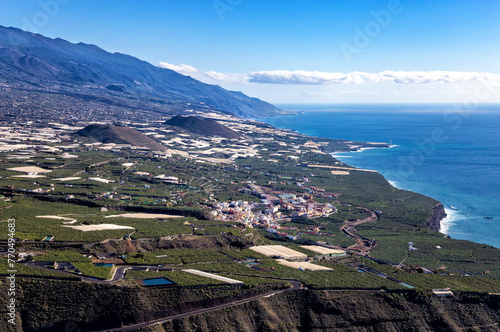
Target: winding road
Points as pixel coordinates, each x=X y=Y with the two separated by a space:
x=295 y=285
x=362 y=245
x=119 y=274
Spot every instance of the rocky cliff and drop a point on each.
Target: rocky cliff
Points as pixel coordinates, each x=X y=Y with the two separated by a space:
x=349 y=311
x=55 y=304
x=437 y=215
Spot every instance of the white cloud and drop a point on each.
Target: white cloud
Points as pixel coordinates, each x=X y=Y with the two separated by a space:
x=303 y=77
x=181 y=69
x=227 y=78
x=403 y=77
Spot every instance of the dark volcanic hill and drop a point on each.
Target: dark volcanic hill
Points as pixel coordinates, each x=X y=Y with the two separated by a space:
x=202 y=126
x=34 y=61
x=119 y=135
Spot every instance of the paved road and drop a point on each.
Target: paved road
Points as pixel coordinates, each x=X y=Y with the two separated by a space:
x=118 y=274
x=295 y=284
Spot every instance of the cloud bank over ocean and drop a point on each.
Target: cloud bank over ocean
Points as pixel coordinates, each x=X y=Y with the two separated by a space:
x=403 y=77
x=322 y=78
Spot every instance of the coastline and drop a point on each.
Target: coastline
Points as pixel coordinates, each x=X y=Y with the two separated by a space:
x=361 y=149
x=465 y=209
x=445 y=223
x=440 y=218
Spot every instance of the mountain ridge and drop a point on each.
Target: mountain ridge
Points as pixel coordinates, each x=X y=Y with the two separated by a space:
x=34 y=60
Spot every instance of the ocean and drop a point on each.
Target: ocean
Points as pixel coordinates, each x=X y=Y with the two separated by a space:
x=447 y=152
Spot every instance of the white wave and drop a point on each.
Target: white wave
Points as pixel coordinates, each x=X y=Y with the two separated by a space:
x=364 y=149
x=448 y=222
x=394 y=184
x=340 y=156
x=345 y=154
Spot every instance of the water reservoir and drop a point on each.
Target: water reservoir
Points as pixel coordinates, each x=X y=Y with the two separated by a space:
x=157 y=282
x=104 y=264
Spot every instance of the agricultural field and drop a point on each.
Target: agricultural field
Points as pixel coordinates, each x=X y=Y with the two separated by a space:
x=341 y=277
x=208 y=215
x=176 y=256
x=433 y=251
x=29 y=227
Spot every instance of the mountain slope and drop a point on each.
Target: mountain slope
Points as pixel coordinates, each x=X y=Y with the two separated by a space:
x=201 y=126
x=119 y=135
x=35 y=60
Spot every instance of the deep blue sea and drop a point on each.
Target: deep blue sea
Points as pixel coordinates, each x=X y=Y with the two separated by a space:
x=447 y=152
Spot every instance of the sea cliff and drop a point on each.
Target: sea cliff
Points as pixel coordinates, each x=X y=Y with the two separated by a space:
x=437 y=215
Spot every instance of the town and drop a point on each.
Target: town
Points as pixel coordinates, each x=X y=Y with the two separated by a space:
x=272 y=209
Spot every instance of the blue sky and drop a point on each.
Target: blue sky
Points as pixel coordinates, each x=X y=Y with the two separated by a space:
x=295 y=51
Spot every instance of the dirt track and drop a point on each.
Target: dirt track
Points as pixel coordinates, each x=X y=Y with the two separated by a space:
x=362 y=245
